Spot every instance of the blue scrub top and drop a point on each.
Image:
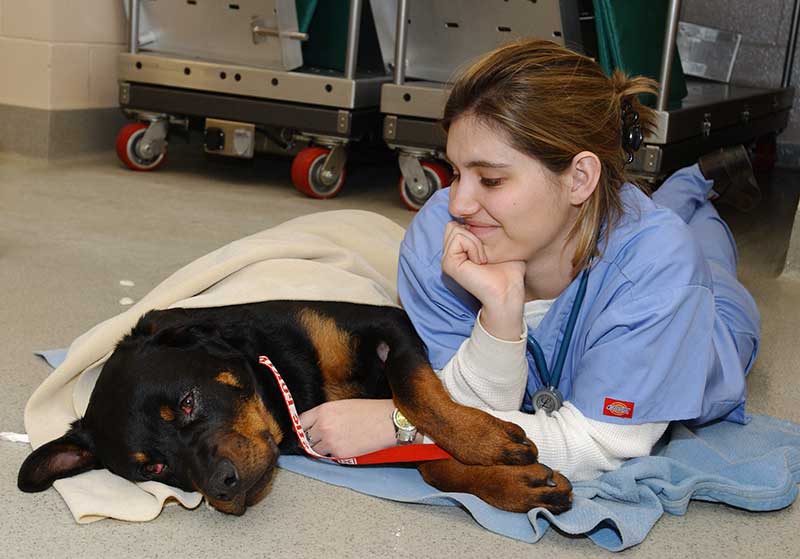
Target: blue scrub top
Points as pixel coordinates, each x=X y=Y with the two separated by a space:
x=649 y=343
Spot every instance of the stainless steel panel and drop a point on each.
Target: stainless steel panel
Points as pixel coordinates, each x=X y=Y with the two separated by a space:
x=299 y=87
x=444 y=35
x=660 y=160
x=221 y=31
x=716 y=105
x=154 y=101
x=647 y=159
x=239 y=138
x=413 y=134
x=417 y=99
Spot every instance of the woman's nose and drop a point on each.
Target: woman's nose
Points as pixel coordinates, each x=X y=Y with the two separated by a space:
x=462 y=199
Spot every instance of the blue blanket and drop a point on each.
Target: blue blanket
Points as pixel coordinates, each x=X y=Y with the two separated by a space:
x=755 y=467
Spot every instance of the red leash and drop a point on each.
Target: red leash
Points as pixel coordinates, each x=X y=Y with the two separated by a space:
x=394 y=454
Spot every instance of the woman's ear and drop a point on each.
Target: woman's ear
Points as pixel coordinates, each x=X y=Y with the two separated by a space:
x=584 y=173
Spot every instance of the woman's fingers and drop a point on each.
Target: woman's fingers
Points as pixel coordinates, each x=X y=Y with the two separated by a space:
x=459 y=242
x=307 y=420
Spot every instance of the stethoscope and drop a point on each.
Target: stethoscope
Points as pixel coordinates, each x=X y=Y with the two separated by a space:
x=549 y=398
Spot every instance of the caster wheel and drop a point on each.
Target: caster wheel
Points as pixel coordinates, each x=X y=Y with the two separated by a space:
x=438 y=177
x=307 y=174
x=127 y=141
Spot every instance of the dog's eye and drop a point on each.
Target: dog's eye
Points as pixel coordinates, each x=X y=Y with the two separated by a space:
x=187 y=404
x=154 y=468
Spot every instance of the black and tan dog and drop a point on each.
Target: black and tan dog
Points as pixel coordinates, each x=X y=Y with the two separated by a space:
x=183 y=400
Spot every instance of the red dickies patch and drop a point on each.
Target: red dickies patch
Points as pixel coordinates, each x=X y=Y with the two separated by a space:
x=618 y=408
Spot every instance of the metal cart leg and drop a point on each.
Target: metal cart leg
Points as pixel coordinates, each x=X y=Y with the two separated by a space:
x=133 y=30
x=668 y=53
x=354 y=28
x=400 y=42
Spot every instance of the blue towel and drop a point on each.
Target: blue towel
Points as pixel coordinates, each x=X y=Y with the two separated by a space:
x=755 y=467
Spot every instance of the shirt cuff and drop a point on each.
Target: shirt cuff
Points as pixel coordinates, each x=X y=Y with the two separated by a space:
x=494 y=357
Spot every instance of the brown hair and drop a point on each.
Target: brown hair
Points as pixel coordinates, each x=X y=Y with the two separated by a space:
x=552 y=103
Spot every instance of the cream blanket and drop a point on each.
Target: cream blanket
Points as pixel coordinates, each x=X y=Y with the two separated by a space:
x=346 y=255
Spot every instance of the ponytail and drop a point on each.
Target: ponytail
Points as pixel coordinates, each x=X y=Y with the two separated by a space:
x=629 y=89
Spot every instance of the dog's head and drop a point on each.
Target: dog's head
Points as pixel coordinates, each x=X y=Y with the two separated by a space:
x=179 y=405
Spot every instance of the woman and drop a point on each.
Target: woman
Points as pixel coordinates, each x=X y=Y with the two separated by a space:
x=541 y=276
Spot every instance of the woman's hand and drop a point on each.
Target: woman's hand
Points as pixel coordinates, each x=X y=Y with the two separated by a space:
x=500 y=287
x=345 y=428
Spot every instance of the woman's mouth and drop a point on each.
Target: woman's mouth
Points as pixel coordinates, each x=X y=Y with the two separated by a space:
x=480 y=229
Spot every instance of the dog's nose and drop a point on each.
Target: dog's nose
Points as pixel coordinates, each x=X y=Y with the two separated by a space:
x=224 y=480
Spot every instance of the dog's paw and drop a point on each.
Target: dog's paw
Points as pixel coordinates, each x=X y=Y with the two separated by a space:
x=535 y=486
x=511 y=488
x=489 y=441
x=522 y=488
x=519 y=450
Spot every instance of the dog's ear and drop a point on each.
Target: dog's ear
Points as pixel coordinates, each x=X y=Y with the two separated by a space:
x=156 y=320
x=66 y=456
x=185 y=335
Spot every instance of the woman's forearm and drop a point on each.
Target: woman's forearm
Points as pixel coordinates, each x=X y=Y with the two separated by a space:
x=487 y=372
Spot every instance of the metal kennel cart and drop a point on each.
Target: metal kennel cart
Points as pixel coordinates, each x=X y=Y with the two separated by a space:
x=234 y=70
x=433 y=38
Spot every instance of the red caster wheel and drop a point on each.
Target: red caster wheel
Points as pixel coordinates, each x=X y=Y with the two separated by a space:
x=415 y=196
x=127 y=145
x=307 y=174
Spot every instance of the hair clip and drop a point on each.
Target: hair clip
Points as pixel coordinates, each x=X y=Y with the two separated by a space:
x=632 y=135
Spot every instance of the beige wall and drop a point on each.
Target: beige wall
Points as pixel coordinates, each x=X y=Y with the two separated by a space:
x=60 y=54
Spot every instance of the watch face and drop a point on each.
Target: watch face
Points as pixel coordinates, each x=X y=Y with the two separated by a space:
x=401 y=421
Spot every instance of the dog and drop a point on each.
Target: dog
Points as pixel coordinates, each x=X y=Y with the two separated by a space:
x=183 y=400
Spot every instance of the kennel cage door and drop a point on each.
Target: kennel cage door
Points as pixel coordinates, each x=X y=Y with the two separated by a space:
x=222 y=31
x=444 y=35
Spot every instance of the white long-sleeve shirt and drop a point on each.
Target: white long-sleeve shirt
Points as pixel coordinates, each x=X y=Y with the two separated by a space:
x=491 y=374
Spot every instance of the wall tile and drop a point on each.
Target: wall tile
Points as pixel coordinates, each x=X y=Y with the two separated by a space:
x=25 y=68
x=758 y=65
x=69 y=79
x=88 y=21
x=103 y=90
x=26 y=19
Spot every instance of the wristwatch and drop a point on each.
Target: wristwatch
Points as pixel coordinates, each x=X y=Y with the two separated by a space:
x=404 y=431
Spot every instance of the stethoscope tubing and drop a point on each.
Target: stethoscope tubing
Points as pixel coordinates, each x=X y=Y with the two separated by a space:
x=551 y=379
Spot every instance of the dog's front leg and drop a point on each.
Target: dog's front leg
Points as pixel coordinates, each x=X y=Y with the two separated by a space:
x=511 y=488
x=470 y=435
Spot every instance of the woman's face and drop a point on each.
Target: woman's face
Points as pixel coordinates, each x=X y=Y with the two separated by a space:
x=509 y=200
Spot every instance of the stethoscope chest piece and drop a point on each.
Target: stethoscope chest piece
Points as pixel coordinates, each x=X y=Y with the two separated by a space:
x=547 y=400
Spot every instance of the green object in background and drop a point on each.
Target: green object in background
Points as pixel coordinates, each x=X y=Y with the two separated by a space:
x=326 y=24
x=305 y=11
x=630 y=36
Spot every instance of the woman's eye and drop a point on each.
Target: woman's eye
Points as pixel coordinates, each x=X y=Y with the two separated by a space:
x=154 y=469
x=491 y=182
x=187 y=404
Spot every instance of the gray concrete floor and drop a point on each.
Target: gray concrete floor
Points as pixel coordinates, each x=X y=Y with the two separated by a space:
x=70 y=231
